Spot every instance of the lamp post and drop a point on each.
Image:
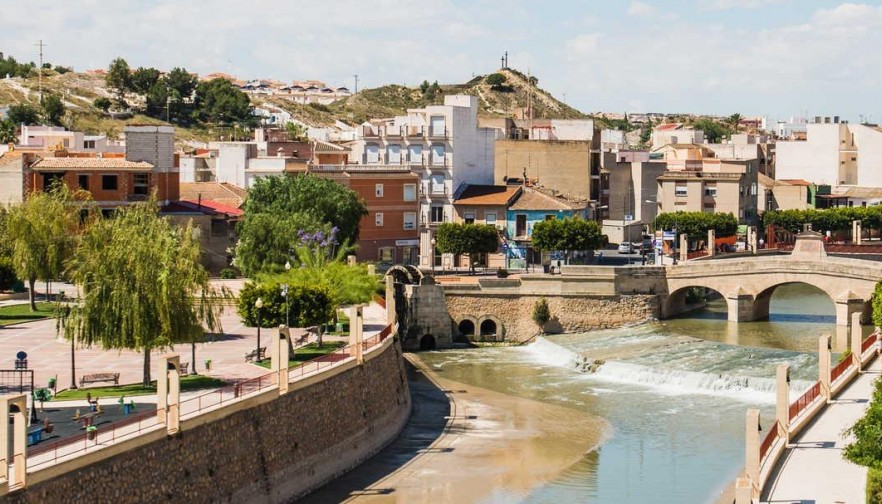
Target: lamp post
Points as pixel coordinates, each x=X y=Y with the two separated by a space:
x=285 y=293
x=432 y=254
x=258 y=305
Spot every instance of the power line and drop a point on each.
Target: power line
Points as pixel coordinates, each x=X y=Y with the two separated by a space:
x=41 y=45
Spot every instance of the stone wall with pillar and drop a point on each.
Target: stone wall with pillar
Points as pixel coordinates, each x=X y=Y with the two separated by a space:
x=265 y=449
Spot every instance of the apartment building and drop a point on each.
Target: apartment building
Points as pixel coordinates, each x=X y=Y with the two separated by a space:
x=629 y=197
x=442 y=145
x=834 y=153
x=675 y=133
x=720 y=186
x=58 y=138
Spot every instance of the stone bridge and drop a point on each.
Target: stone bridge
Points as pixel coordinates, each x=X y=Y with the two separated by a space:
x=746 y=283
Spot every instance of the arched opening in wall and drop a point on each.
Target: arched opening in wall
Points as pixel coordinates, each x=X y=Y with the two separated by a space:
x=427 y=342
x=466 y=327
x=488 y=328
x=696 y=302
x=795 y=302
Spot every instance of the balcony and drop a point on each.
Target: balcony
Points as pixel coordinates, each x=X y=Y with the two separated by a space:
x=415 y=131
x=369 y=132
x=438 y=133
x=359 y=168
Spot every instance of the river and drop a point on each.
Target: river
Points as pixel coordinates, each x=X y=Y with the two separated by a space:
x=674 y=394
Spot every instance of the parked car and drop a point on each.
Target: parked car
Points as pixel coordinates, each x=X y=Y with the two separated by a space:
x=626 y=248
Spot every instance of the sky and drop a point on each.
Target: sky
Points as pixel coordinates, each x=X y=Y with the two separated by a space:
x=777 y=58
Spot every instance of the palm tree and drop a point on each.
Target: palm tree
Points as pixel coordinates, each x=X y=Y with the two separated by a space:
x=734 y=121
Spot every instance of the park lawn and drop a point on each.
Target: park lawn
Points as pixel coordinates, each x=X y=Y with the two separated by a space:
x=310 y=351
x=15 y=314
x=191 y=382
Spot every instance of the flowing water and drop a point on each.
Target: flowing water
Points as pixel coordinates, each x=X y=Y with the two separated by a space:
x=674 y=392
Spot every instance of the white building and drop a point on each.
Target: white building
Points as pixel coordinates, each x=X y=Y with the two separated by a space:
x=665 y=134
x=835 y=154
x=443 y=145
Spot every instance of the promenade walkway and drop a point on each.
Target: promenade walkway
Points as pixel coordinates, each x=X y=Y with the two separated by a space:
x=812 y=469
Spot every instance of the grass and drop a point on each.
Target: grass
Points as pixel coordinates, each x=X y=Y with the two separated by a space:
x=310 y=351
x=15 y=314
x=191 y=382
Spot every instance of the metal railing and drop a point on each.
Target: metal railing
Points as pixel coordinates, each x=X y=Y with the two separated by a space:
x=805 y=400
x=226 y=394
x=868 y=342
x=45 y=453
x=768 y=442
x=696 y=254
x=321 y=362
x=840 y=369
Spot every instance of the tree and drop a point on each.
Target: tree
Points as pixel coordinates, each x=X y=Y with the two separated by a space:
x=472 y=239
x=866 y=450
x=42 y=395
x=278 y=207
x=877 y=305
x=53 y=109
x=568 y=235
x=142 y=285
x=43 y=232
x=271 y=314
x=102 y=103
x=697 y=224
x=181 y=81
x=714 y=132
x=734 y=121
x=541 y=314
x=296 y=131
x=23 y=113
x=219 y=102
x=495 y=79
x=143 y=79
x=7 y=132
x=119 y=80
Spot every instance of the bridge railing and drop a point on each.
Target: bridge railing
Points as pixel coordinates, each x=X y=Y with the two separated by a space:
x=695 y=254
x=840 y=369
x=805 y=400
x=868 y=342
x=768 y=442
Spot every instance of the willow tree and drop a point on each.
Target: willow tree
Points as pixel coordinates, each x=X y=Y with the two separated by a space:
x=142 y=285
x=43 y=233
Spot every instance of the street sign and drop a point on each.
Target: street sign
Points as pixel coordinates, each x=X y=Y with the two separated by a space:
x=629 y=217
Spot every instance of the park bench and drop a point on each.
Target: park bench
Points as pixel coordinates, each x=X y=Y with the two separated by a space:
x=182 y=368
x=250 y=356
x=99 y=377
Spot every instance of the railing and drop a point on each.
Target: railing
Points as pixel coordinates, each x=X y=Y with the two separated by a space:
x=868 y=342
x=105 y=434
x=802 y=403
x=415 y=131
x=321 y=362
x=368 y=132
x=377 y=338
x=696 y=254
x=360 y=168
x=226 y=394
x=437 y=132
x=767 y=443
x=840 y=368
x=380 y=301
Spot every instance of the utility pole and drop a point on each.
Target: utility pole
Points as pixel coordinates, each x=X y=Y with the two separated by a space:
x=41 y=45
x=356 y=83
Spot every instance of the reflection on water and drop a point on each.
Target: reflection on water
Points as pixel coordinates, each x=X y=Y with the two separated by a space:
x=675 y=393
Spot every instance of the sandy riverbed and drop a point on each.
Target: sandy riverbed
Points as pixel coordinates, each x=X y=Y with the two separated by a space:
x=478 y=446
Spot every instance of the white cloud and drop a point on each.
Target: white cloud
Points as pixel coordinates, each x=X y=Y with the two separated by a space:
x=640 y=9
x=583 y=44
x=737 y=4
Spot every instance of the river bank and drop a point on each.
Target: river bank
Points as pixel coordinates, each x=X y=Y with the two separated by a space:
x=468 y=444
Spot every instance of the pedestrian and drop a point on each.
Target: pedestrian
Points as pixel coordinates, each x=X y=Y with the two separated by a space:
x=762 y=243
x=600 y=258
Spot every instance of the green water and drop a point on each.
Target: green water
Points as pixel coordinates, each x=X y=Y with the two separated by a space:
x=675 y=393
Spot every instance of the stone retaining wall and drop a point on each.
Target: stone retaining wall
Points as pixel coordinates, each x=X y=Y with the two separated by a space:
x=570 y=313
x=269 y=452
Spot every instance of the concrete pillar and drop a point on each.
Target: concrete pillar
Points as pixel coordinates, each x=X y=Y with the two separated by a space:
x=279 y=358
x=168 y=392
x=740 y=307
x=356 y=331
x=857 y=337
x=845 y=307
x=856 y=232
x=350 y=260
x=752 y=449
x=17 y=407
x=372 y=269
x=743 y=491
x=824 y=365
x=711 y=242
x=391 y=313
x=684 y=247
x=782 y=401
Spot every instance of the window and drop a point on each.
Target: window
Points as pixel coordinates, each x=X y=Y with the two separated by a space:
x=437 y=126
x=709 y=208
x=469 y=217
x=83 y=182
x=378 y=190
x=437 y=184
x=88 y=144
x=438 y=155
x=490 y=217
x=415 y=154
x=393 y=154
x=521 y=225
x=386 y=254
x=437 y=214
x=109 y=183
x=50 y=179
x=680 y=190
x=710 y=190
x=410 y=192
x=753 y=189
x=140 y=185
x=409 y=221
x=371 y=153
x=378 y=219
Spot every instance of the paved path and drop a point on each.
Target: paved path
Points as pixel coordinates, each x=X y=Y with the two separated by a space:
x=812 y=469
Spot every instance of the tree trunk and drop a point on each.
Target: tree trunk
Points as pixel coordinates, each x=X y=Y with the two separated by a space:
x=73 y=366
x=193 y=357
x=146 y=367
x=32 y=297
x=321 y=332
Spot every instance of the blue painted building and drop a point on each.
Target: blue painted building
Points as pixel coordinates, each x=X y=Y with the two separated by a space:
x=533 y=206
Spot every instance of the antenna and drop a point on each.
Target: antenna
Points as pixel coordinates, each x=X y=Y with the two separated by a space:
x=356 y=83
x=41 y=45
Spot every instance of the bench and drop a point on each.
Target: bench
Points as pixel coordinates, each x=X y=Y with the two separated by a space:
x=99 y=377
x=35 y=436
x=249 y=357
x=182 y=369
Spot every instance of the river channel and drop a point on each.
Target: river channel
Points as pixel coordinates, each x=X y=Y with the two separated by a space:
x=674 y=394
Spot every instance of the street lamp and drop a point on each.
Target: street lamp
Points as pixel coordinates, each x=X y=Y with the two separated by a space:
x=258 y=305
x=285 y=294
x=432 y=256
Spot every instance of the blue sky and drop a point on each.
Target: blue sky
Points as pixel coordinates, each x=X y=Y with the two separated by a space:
x=758 y=57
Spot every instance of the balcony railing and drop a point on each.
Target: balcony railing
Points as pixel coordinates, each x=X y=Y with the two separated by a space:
x=415 y=131
x=437 y=132
x=365 y=168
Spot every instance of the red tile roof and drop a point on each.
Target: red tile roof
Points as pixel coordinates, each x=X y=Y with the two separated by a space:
x=90 y=163
x=487 y=195
x=217 y=207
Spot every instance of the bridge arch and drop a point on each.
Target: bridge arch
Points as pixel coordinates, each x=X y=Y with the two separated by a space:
x=490 y=328
x=467 y=326
x=686 y=299
x=763 y=299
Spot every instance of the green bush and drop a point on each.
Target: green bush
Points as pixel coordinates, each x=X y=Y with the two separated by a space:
x=874 y=486
x=102 y=103
x=541 y=313
x=229 y=273
x=696 y=224
x=495 y=79
x=8 y=279
x=830 y=219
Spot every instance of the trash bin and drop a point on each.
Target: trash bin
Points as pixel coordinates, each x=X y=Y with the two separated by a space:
x=545 y=268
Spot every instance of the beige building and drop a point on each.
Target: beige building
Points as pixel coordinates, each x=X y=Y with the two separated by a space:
x=563 y=166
